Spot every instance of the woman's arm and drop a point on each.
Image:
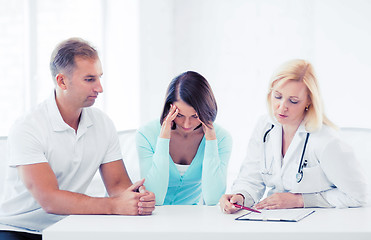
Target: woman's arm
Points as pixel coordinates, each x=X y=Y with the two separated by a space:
x=215 y=165
x=154 y=165
x=154 y=157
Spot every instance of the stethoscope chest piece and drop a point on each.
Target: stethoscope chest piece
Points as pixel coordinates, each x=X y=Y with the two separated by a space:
x=302 y=164
x=299 y=177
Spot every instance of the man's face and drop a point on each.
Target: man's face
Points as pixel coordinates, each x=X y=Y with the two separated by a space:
x=83 y=84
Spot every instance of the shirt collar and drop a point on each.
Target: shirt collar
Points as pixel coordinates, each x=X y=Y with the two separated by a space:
x=57 y=121
x=85 y=122
x=301 y=128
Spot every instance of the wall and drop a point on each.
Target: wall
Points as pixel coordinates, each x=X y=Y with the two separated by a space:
x=238 y=44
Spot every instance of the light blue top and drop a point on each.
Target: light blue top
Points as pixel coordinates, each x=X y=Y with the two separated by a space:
x=206 y=176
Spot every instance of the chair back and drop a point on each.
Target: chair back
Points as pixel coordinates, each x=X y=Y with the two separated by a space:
x=130 y=158
x=360 y=140
x=129 y=153
x=3 y=162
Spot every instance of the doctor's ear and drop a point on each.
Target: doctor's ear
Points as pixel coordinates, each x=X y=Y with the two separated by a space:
x=60 y=79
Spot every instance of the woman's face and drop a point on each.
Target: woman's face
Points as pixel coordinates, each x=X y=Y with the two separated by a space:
x=187 y=119
x=288 y=101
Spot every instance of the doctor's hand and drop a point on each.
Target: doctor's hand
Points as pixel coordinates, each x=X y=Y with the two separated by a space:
x=209 y=131
x=227 y=200
x=281 y=200
x=168 y=121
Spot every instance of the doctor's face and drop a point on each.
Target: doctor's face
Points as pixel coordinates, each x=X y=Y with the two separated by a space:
x=288 y=100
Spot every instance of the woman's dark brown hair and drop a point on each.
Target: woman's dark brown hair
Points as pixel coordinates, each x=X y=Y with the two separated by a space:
x=193 y=89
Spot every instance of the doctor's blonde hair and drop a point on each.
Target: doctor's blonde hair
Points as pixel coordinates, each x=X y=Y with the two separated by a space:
x=302 y=71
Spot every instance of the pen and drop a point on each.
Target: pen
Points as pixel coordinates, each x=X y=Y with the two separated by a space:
x=246 y=208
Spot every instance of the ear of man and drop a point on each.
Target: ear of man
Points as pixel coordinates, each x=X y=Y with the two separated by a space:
x=61 y=80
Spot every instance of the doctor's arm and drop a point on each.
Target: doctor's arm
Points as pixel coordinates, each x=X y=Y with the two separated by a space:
x=249 y=186
x=338 y=162
x=342 y=168
x=282 y=201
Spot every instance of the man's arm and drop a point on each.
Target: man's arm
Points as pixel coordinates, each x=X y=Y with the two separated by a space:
x=115 y=177
x=41 y=181
x=116 y=181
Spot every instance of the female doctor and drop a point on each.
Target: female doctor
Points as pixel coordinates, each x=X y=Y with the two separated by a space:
x=295 y=152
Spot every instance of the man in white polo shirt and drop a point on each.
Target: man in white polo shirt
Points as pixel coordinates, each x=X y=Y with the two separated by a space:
x=55 y=150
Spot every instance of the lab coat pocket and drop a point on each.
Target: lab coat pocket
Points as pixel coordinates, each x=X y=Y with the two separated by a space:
x=267 y=178
x=314 y=180
x=270 y=179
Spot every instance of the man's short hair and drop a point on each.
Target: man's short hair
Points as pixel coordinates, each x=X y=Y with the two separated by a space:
x=63 y=56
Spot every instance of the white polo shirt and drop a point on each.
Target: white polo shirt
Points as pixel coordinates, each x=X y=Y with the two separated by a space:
x=43 y=136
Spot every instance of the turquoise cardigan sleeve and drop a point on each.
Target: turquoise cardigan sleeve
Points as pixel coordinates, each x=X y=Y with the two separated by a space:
x=153 y=153
x=215 y=165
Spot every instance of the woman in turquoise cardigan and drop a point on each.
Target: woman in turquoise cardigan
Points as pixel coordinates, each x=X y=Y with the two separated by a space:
x=184 y=156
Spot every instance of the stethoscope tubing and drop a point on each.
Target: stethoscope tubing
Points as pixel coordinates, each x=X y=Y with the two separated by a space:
x=299 y=174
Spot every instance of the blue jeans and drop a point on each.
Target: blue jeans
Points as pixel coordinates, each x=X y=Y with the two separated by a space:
x=13 y=235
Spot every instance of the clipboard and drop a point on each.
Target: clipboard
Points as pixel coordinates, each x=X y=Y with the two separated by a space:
x=277 y=215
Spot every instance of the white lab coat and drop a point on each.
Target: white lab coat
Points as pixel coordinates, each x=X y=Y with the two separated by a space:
x=332 y=169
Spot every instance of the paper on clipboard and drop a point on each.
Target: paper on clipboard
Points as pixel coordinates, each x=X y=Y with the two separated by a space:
x=277 y=215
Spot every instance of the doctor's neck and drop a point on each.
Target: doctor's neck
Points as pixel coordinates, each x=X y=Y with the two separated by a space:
x=289 y=130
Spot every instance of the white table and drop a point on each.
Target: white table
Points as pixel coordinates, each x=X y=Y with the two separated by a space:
x=205 y=222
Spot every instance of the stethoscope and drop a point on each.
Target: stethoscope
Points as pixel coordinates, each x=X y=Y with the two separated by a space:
x=302 y=164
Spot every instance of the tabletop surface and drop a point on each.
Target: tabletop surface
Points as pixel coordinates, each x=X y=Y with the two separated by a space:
x=202 y=222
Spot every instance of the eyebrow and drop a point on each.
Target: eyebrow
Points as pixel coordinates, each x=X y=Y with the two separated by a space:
x=92 y=76
x=191 y=115
x=275 y=91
